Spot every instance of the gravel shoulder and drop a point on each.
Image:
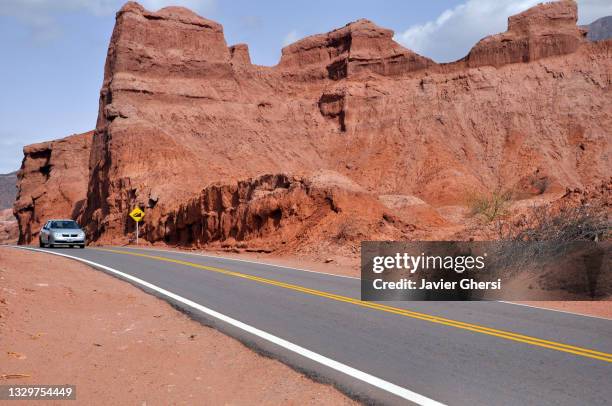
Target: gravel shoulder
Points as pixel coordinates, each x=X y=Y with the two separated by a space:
x=62 y=322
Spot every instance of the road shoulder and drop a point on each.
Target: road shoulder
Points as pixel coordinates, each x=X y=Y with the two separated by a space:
x=64 y=322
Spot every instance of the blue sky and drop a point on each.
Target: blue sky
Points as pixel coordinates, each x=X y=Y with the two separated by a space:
x=54 y=50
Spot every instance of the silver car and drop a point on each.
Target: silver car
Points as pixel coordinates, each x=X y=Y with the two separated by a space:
x=61 y=233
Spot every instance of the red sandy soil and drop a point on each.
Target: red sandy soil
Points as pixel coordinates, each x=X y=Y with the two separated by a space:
x=63 y=322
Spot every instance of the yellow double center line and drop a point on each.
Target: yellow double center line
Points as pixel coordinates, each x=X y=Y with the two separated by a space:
x=602 y=356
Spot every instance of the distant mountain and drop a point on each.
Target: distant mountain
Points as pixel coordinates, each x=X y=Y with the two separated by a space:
x=8 y=190
x=600 y=29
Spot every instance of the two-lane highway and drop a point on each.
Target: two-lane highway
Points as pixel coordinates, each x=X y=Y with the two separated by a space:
x=457 y=353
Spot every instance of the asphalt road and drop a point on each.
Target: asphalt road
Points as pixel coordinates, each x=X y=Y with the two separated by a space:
x=456 y=353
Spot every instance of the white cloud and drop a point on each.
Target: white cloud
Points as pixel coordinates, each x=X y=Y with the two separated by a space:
x=40 y=15
x=97 y=7
x=453 y=33
x=201 y=6
x=291 y=37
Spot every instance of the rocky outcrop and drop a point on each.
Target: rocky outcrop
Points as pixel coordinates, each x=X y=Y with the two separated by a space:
x=52 y=183
x=184 y=118
x=360 y=47
x=543 y=31
x=169 y=87
x=177 y=104
x=9 y=231
x=278 y=211
x=239 y=55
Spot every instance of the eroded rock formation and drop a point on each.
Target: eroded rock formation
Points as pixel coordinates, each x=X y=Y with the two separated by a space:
x=184 y=118
x=540 y=32
x=9 y=231
x=358 y=47
x=281 y=212
x=52 y=183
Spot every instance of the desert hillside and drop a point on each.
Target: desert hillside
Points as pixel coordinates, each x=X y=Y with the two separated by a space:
x=600 y=29
x=349 y=137
x=8 y=189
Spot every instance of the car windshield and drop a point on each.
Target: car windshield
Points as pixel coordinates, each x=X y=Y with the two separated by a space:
x=65 y=224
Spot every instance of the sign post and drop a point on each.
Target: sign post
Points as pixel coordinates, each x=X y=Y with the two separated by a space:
x=137 y=214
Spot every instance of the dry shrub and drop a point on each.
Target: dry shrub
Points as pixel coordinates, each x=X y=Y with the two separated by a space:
x=491 y=206
x=348 y=230
x=542 y=223
x=558 y=237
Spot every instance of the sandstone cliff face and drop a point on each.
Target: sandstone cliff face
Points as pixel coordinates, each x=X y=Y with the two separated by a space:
x=178 y=111
x=280 y=212
x=540 y=32
x=52 y=183
x=358 y=47
x=184 y=118
x=239 y=55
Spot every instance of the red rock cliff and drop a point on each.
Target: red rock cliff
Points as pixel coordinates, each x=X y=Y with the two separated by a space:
x=540 y=32
x=52 y=183
x=358 y=47
x=180 y=110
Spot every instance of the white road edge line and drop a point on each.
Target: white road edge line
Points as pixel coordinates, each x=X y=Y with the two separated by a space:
x=321 y=359
x=555 y=310
x=340 y=276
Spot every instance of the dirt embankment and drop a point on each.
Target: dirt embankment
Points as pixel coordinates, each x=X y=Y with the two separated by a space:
x=63 y=322
x=8 y=227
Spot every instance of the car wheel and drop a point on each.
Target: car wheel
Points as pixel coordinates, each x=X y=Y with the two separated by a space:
x=51 y=246
x=40 y=243
x=82 y=246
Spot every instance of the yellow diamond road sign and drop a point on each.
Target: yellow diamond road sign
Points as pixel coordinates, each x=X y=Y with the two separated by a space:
x=137 y=214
